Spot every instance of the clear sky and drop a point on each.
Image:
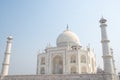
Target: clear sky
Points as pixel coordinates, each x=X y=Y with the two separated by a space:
x=35 y=23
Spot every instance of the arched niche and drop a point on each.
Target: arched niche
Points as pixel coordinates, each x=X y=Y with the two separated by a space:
x=83 y=70
x=73 y=70
x=57 y=65
x=73 y=58
x=42 y=70
x=42 y=60
x=83 y=59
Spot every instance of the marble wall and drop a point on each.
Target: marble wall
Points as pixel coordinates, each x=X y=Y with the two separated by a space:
x=58 y=77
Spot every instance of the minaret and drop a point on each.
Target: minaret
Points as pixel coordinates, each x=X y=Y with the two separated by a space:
x=6 y=62
x=107 y=57
x=113 y=61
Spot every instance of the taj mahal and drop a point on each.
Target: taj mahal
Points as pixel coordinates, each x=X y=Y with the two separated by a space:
x=68 y=60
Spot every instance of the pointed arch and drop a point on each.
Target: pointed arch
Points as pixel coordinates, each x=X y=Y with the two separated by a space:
x=83 y=69
x=73 y=58
x=42 y=70
x=73 y=70
x=83 y=59
x=43 y=60
x=57 y=65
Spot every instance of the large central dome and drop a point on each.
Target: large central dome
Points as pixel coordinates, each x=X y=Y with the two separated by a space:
x=67 y=38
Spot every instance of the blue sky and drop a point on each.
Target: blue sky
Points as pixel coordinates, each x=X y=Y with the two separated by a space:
x=35 y=23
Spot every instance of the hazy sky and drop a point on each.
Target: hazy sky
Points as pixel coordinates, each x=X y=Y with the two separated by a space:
x=35 y=23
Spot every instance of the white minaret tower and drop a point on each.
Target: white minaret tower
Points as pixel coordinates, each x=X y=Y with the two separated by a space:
x=113 y=61
x=107 y=57
x=6 y=62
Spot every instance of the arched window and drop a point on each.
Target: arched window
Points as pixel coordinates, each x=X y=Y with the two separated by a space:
x=43 y=60
x=83 y=70
x=42 y=71
x=83 y=59
x=73 y=70
x=73 y=59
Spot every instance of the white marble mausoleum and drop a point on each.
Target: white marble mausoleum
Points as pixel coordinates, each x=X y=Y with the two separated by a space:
x=68 y=57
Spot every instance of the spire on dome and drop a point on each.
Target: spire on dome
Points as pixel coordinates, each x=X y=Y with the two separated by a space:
x=67 y=28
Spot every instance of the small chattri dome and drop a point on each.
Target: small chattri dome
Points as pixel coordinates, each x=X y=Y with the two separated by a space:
x=9 y=37
x=102 y=20
x=67 y=38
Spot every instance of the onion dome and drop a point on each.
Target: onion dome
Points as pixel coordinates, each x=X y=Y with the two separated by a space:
x=67 y=38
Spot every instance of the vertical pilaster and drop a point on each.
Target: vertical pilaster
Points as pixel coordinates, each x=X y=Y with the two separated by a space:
x=37 y=70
